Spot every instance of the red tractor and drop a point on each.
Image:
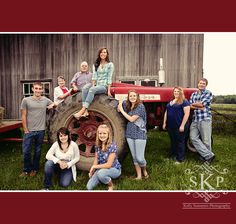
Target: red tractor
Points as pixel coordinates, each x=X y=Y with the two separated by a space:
x=104 y=110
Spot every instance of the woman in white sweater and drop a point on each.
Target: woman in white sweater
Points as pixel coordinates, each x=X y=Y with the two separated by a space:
x=61 y=91
x=61 y=157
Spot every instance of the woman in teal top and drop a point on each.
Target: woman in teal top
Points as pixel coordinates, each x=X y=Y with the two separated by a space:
x=102 y=79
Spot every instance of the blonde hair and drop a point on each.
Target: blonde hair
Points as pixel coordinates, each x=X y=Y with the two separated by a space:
x=181 y=97
x=109 y=139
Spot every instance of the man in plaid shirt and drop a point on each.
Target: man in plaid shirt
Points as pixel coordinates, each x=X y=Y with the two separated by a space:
x=201 y=127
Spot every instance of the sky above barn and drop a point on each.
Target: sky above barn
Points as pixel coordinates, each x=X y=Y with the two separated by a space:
x=219 y=62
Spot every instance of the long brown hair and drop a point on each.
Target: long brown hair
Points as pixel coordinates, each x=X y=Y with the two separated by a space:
x=129 y=104
x=98 y=60
x=109 y=139
x=63 y=131
x=181 y=97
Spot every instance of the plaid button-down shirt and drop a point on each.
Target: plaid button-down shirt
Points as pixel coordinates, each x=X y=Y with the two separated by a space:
x=82 y=78
x=103 y=76
x=205 y=97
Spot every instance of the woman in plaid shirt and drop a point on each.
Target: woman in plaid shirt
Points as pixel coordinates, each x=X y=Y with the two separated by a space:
x=102 y=79
x=201 y=127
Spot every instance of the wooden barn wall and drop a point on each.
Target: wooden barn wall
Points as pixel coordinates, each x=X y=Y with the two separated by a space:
x=135 y=56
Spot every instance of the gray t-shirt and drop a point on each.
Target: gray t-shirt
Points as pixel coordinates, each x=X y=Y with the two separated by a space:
x=36 y=112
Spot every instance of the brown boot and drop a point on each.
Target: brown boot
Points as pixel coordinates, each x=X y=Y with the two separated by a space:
x=24 y=174
x=33 y=173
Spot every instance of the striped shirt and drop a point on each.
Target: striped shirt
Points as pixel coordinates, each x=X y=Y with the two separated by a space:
x=205 y=97
x=103 y=76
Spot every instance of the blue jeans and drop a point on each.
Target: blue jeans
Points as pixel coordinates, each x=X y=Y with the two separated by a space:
x=178 y=142
x=200 y=135
x=89 y=91
x=103 y=176
x=35 y=137
x=137 y=149
x=65 y=175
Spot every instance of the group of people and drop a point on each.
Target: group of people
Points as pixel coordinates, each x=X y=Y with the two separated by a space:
x=176 y=121
x=64 y=153
x=81 y=79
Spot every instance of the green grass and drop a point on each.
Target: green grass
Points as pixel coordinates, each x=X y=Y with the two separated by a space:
x=164 y=174
x=224 y=119
x=224 y=108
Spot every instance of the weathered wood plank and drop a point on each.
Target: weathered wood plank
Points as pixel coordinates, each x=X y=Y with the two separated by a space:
x=135 y=56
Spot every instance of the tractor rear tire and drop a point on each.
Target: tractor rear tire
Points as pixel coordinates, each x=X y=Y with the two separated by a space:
x=103 y=110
